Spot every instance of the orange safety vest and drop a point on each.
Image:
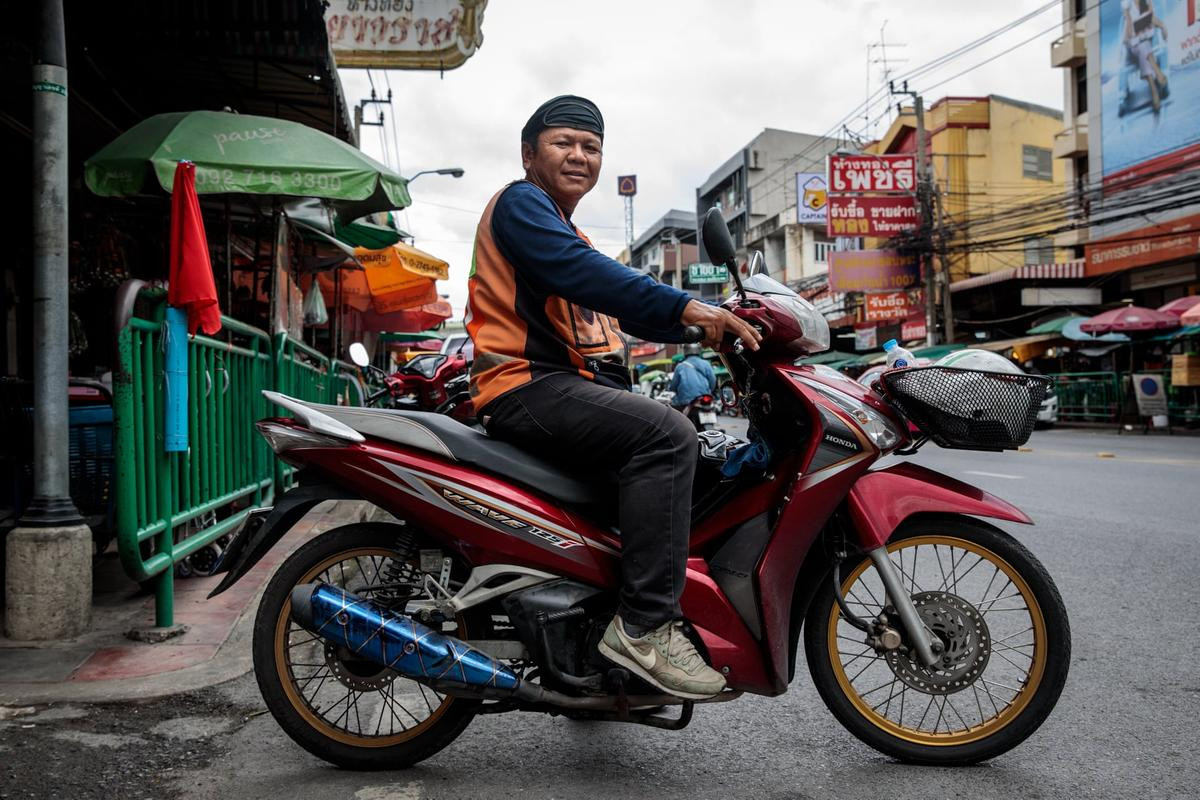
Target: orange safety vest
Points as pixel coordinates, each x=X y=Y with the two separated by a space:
x=521 y=335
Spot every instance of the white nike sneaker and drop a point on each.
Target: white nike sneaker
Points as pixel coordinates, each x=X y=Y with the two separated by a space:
x=664 y=658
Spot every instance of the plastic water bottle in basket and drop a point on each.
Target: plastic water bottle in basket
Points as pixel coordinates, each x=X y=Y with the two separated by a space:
x=897 y=356
x=970 y=399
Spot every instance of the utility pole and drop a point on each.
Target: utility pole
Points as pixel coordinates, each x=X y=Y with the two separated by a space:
x=944 y=261
x=924 y=195
x=48 y=588
x=358 y=115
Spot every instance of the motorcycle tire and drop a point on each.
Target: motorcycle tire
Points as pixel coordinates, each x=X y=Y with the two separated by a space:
x=285 y=690
x=1011 y=723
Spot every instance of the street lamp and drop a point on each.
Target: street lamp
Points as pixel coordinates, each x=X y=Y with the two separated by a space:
x=456 y=172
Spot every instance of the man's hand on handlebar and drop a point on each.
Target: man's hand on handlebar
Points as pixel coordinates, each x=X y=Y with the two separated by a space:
x=717 y=322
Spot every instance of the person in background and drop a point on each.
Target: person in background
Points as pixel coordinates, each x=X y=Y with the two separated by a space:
x=693 y=377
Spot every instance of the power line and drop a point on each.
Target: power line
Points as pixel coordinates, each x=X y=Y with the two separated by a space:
x=916 y=72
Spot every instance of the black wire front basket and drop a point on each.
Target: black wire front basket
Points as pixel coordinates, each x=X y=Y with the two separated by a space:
x=966 y=409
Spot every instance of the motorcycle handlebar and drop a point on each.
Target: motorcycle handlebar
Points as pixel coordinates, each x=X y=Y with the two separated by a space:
x=693 y=333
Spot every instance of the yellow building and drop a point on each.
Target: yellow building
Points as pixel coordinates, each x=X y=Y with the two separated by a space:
x=992 y=163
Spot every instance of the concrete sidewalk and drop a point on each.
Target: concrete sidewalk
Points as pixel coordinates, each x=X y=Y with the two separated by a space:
x=105 y=665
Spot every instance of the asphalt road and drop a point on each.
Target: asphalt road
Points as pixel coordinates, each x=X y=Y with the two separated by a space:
x=1118 y=533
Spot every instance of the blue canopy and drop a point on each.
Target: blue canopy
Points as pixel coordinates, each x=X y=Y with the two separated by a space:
x=1072 y=331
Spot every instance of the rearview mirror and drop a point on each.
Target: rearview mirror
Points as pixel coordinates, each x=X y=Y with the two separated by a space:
x=358 y=354
x=717 y=241
x=756 y=263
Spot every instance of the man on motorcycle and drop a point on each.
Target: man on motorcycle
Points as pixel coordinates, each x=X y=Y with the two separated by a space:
x=550 y=375
x=692 y=378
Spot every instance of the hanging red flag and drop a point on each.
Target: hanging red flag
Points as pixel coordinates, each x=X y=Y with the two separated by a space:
x=191 y=279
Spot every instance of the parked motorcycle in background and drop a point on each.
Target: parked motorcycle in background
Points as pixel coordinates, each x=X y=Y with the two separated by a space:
x=437 y=382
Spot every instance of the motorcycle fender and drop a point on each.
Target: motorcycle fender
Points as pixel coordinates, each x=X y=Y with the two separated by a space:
x=880 y=500
x=254 y=540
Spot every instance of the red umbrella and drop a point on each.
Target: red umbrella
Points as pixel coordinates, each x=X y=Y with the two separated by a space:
x=411 y=319
x=1129 y=318
x=191 y=280
x=1179 y=305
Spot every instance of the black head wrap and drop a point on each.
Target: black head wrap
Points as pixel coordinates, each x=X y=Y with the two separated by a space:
x=564 y=111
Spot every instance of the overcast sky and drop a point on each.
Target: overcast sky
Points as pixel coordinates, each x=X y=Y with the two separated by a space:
x=682 y=86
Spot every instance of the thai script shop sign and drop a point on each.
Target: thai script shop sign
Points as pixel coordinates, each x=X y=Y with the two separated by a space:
x=404 y=34
x=707 y=273
x=871 y=271
x=886 y=306
x=884 y=216
x=886 y=173
x=1167 y=241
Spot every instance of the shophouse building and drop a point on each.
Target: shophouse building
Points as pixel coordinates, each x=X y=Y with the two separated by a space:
x=1131 y=145
x=666 y=248
x=999 y=195
x=757 y=193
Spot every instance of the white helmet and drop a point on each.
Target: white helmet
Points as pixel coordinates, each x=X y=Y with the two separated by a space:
x=981 y=360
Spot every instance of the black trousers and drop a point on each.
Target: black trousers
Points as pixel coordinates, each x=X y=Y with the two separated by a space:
x=653 y=450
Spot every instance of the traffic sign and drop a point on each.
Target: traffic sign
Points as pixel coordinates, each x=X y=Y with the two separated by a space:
x=707 y=273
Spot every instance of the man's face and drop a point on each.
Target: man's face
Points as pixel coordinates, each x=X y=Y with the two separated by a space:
x=566 y=163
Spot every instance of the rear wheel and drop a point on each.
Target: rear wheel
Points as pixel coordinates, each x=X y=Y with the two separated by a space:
x=345 y=710
x=1006 y=638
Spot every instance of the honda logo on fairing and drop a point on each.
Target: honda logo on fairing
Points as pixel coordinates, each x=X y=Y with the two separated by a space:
x=829 y=437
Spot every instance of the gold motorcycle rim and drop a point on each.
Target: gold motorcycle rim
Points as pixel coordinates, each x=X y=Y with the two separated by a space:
x=294 y=684
x=995 y=709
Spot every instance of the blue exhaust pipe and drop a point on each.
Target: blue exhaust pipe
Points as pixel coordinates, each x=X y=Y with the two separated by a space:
x=398 y=641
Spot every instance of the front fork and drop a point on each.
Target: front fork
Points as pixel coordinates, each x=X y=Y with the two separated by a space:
x=922 y=641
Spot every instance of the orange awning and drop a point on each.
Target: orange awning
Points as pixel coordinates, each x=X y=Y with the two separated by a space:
x=392 y=279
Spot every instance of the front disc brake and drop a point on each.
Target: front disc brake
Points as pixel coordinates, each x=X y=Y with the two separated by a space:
x=966 y=640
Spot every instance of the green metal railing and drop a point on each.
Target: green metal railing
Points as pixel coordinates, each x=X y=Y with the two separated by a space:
x=1088 y=396
x=160 y=494
x=168 y=504
x=1102 y=396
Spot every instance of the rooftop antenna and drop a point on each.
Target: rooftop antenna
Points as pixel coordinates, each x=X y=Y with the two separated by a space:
x=886 y=73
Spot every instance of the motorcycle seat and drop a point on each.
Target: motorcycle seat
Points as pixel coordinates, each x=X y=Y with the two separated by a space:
x=449 y=438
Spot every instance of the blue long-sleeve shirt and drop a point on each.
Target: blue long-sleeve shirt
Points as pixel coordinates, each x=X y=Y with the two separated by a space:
x=693 y=377
x=534 y=237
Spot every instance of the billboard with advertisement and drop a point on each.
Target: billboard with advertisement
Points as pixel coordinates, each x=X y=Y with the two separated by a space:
x=811 y=193
x=871 y=271
x=869 y=173
x=1149 y=88
x=882 y=216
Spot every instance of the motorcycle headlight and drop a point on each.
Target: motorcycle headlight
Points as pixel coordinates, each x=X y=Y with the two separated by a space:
x=878 y=428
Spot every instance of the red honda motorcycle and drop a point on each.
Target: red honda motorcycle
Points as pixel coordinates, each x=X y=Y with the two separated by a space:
x=436 y=382
x=931 y=635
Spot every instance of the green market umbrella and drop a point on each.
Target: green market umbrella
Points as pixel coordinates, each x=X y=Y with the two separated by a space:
x=241 y=154
x=1053 y=326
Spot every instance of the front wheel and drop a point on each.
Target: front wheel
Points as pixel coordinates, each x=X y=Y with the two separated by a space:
x=1006 y=638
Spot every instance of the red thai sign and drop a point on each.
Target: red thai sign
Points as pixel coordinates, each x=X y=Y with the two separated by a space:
x=889 y=305
x=887 y=173
x=884 y=216
x=912 y=328
x=871 y=271
x=1167 y=241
